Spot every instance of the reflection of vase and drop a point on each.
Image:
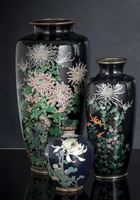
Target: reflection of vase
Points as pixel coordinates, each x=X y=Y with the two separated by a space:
x=69 y=160
x=110 y=190
x=38 y=188
x=110 y=117
x=71 y=196
x=51 y=69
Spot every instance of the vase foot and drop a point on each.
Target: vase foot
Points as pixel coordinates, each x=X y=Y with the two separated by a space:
x=38 y=172
x=110 y=177
x=76 y=189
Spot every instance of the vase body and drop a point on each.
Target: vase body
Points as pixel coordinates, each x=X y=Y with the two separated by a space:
x=69 y=160
x=110 y=118
x=110 y=190
x=51 y=66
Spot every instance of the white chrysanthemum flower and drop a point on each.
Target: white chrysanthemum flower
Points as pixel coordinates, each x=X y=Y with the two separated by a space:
x=127 y=105
x=109 y=93
x=71 y=147
x=77 y=73
x=41 y=54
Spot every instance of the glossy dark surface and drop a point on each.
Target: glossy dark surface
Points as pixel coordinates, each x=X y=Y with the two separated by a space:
x=110 y=117
x=18 y=184
x=72 y=157
x=53 y=50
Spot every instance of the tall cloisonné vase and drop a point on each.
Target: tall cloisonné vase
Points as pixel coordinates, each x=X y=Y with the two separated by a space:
x=51 y=67
x=110 y=117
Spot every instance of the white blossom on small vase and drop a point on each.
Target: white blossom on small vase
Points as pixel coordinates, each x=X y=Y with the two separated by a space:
x=71 y=147
x=127 y=105
x=108 y=93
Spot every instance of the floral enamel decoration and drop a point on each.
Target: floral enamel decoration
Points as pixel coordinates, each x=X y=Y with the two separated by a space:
x=41 y=54
x=67 y=156
x=41 y=83
x=47 y=99
x=109 y=93
x=60 y=96
x=105 y=125
x=76 y=74
x=71 y=147
x=125 y=106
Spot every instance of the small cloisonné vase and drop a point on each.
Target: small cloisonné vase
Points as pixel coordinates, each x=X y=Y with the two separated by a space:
x=69 y=160
x=110 y=117
x=51 y=68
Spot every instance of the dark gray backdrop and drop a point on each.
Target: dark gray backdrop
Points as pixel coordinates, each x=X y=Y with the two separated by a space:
x=112 y=26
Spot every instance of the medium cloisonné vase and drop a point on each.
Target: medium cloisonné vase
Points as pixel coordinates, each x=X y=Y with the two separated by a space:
x=51 y=67
x=69 y=160
x=110 y=117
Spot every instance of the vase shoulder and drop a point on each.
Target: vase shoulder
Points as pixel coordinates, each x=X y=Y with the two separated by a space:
x=71 y=37
x=111 y=78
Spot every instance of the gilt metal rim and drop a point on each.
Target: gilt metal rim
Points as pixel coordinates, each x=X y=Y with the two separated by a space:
x=110 y=177
x=53 y=21
x=111 y=60
x=38 y=172
x=69 y=190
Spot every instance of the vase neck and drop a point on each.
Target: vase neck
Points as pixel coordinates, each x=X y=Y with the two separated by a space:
x=69 y=131
x=53 y=26
x=111 y=66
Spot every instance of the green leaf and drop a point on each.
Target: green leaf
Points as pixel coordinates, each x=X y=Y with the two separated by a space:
x=36 y=113
x=27 y=90
x=50 y=109
x=55 y=130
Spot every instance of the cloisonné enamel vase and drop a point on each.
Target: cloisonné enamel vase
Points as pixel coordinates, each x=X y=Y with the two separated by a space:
x=110 y=118
x=51 y=67
x=69 y=160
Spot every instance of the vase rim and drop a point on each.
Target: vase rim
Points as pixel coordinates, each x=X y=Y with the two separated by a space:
x=53 y=21
x=69 y=128
x=111 y=60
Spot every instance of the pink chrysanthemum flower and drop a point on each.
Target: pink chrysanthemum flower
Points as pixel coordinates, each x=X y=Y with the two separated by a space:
x=41 y=83
x=61 y=96
x=32 y=98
